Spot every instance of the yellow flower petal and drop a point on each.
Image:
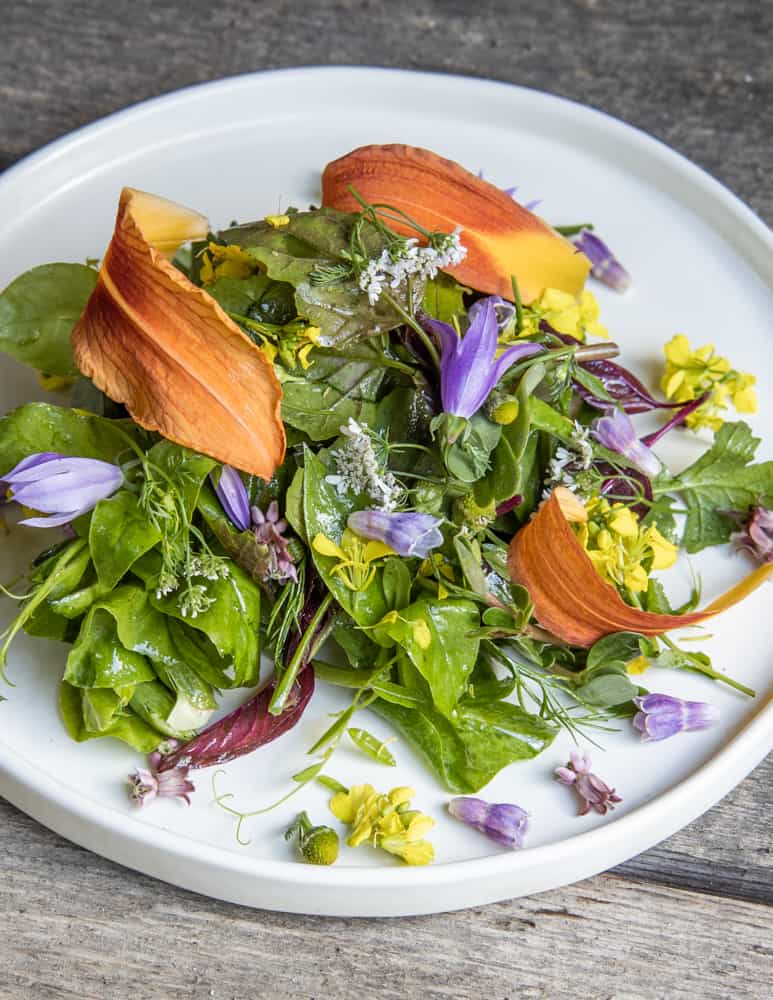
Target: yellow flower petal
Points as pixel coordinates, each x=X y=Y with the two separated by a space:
x=664 y=553
x=345 y=805
x=326 y=547
x=638 y=665
x=624 y=522
x=278 y=220
x=377 y=550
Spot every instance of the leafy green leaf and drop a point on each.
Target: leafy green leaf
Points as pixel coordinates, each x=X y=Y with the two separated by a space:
x=309 y=242
x=465 y=755
x=37 y=427
x=325 y=512
x=721 y=480
x=80 y=708
x=444 y=298
x=619 y=646
x=331 y=391
x=436 y=637
x=119 y=533
x=98 y=659
x=231 y=623
x=38 y=311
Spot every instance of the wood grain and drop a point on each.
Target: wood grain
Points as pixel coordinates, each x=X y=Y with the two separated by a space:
x=686 y=919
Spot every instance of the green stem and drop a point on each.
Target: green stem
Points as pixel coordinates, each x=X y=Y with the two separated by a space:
x=701 y=668
x=305 y=646
x=518 y=305
x=416 y=327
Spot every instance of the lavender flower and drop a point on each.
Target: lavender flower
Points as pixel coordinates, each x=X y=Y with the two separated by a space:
x=756 y=535
x=616 y=432
x=148 y=783
x=233 y=497
x=503 y=822
x=593 y=792
x=61 y=486
x=408 y=534
x=661 y=716
x=605 y=266
x=468 y=371
x=269 y=531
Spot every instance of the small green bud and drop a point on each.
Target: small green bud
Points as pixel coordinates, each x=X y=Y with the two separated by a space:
x=318 y=844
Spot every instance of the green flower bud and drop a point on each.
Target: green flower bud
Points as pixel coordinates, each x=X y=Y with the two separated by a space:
x=318 y=844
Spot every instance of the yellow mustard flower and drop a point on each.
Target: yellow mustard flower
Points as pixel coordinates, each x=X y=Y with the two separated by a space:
x=689 y=373
x=385 y=821
x=638 y=665
x=574 y=317
x=219 y=261
x=422 y=635
x=623 y=552
x=277 y=221
x=355 y=556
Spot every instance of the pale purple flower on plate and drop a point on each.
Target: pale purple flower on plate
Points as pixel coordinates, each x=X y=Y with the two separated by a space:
x=468 y=369
x=592 y=791
x=233 y=497
x=503 y=822
x=616 y=432
x=605 y=267
x=756 y=534
x=661 y=716
x=60 y=486
x=148 y=783
x=409 y=534
x=269 y=530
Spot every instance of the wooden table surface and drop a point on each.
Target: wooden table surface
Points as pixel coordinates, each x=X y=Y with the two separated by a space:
x=690 y=918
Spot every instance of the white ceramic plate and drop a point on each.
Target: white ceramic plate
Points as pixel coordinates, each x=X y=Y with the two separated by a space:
x=244 y=147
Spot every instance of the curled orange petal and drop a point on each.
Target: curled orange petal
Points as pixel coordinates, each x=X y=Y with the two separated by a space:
x=570 y=598
x=502 y=237
x=150 y=339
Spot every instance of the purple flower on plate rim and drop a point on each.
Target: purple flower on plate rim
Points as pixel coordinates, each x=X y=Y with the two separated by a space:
x=148 y=783
x=409 y=534
x=60 y=486
x=661 y=716
x=504 y=822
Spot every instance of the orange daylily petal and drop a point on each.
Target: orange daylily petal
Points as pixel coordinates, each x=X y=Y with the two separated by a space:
x=570 y=598
x=502 y=237
x=150 y=339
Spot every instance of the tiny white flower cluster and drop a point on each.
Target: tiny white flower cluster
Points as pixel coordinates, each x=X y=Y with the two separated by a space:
x=408 y=259
x=359 y=470
x=565 y=465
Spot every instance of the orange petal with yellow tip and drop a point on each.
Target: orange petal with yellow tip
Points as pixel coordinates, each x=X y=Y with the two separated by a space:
x=502 y=237
x=150 y=339
x=570 y=598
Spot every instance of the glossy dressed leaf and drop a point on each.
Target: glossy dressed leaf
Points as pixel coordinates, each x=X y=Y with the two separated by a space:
x=39 y=427
x=464 y=755
x=99 y=660
x=38 y=311
x=119 y=533
x=436 y=637
x=124 y=724
x=143 y=629
x=444 y=298
x=620 y=647
x=170 y=713
x=231 y=623
x=331 y=391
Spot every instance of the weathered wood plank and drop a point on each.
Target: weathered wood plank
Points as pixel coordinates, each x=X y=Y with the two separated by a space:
x=75 y=926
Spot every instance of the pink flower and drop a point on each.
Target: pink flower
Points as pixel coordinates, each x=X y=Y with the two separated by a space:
x=593 y=792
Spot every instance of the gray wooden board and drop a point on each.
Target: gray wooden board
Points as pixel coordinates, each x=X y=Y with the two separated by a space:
x=686 y=919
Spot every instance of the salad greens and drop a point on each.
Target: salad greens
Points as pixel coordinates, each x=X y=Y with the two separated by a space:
x=425 y=424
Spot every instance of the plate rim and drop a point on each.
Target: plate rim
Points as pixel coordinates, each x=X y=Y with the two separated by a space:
x=121 y=836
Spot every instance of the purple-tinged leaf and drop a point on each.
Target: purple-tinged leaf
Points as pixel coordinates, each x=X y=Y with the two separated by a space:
x=623 y=387
x=248 y=727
